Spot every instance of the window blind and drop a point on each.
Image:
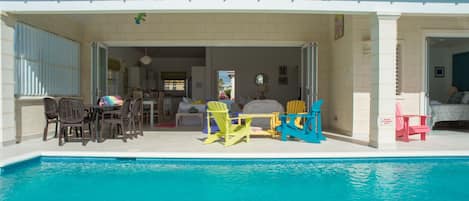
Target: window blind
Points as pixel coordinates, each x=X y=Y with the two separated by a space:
x=45 y=63
x=398 y=69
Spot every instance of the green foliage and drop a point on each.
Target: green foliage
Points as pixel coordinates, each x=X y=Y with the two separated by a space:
x=228 y=93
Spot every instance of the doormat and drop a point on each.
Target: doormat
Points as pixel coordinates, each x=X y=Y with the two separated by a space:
x=166 y=125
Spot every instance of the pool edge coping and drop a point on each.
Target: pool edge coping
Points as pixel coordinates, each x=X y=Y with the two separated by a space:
x=194 y=155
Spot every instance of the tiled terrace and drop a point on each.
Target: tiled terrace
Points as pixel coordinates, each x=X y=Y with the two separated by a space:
x=187 y=144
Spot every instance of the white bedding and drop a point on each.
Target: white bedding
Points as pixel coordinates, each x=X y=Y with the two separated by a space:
x=449 y=112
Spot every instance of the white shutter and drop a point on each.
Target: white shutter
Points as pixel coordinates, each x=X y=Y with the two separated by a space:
x=398 y=69
x=45 y=64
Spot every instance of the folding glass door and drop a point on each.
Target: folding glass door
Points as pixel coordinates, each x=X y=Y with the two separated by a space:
x=309 y=73
x=99 y=70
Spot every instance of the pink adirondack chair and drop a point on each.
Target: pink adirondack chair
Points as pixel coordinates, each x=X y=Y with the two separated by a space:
x=404 y=130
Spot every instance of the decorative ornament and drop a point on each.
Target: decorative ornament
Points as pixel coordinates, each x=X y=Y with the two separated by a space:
x=140 y=18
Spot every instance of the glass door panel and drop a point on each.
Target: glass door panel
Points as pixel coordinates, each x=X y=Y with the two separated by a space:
x=309 y=73
x=99 y=70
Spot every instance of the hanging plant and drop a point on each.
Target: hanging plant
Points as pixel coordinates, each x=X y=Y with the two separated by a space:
x=140 y=18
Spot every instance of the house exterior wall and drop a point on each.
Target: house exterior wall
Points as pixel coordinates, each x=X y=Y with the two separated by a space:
x=344 y=64
x=29 y=111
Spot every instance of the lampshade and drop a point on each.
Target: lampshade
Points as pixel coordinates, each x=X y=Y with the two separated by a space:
x=145 y=60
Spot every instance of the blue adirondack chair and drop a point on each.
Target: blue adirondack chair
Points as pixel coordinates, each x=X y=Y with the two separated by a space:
x=309 y=131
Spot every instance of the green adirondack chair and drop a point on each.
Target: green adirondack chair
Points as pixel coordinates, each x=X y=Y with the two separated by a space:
x=232 y=133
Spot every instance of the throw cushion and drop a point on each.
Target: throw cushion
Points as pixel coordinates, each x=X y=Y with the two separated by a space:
x=456 y=98
x=465 y=98
x=186 y=100
x=111 y=101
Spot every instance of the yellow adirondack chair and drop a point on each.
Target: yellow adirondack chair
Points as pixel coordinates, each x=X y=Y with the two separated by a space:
x=232 y=133
x=293 y=107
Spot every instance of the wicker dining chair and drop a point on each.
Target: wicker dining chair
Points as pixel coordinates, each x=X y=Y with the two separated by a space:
x=121 y=119
x=72 y=114
x=51 y=114
x=137 y=116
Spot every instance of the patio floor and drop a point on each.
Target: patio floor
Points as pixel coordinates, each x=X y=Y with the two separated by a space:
x=189 y=144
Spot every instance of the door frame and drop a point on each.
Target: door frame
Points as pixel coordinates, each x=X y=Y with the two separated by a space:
x=92 y=87
x=310 y=95
x=429 y=33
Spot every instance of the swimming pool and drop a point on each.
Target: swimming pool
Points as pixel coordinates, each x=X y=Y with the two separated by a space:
x=113 y=179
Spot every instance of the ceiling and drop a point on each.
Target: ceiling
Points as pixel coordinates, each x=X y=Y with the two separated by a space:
x=188 y=52
x=448 y=42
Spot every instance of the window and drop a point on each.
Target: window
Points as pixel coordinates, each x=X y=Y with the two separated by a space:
x=45 y=64
x=174 y=85
x=174 y=81
x=398 y=69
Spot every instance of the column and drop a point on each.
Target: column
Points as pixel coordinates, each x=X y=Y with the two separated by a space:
x=383 y=82
x=7 y=100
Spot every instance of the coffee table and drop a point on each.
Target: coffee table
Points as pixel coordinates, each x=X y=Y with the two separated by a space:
x=271 y=116
x=180 y=116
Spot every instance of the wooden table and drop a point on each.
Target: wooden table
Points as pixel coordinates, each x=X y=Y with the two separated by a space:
x=99 y=112
x=200 y=115
x=271 y=116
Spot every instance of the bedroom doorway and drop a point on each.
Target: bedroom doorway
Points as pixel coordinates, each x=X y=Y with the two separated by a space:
x=447 y=59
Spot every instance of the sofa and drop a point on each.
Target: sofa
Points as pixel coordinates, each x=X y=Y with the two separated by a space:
x=262 y=107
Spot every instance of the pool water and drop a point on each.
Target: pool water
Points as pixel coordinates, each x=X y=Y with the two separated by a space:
x=109 y=179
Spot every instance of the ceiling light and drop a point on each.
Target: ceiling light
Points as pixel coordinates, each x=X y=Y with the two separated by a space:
x=145 y=60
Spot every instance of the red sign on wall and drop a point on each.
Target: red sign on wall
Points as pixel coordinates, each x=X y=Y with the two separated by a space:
x=386 y=121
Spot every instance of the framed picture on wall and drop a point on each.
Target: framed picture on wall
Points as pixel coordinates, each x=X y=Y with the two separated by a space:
x=282 y=70
x=283 y=80
x=339 y=26
x=439 y=71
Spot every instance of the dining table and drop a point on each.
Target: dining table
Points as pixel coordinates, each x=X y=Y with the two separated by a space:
x=152 y=104
x=98 y=113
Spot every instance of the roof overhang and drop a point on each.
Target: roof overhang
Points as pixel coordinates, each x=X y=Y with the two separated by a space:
x=410 y=7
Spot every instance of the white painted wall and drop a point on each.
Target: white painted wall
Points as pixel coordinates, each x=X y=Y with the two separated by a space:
x=7 y=101
x=439 y=87
x=361 y=77
x=341 y=79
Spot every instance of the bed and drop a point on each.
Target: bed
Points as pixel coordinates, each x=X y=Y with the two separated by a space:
x=449 y=112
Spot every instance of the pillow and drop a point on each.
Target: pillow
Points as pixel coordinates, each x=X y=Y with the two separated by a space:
x=456 y=98
x=198 y=102
x=111 y=101
x=186 y=100
x=435 y=102
x=465 y=98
